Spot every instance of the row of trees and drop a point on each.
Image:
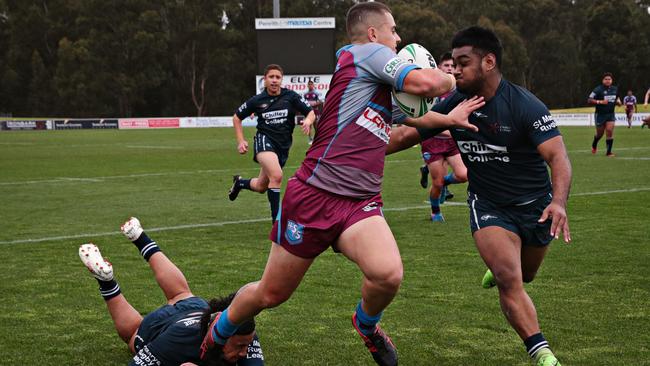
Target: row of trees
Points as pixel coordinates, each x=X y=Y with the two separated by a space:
x=82 y=58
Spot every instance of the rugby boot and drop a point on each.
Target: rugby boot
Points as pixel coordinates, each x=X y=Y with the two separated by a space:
x=610 y=155
x=546 y=358
x=132 y=229
x=437 y=217
x=235 y=188
x=379 y=344
x=100 y=268
x=594 y=150
x=449 y=194
x=424 y=176
x=488 y=280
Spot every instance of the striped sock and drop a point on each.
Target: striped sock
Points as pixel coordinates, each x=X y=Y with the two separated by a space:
x=535 y=343
x=109 y=289
x=146 y=246
x=244 y=184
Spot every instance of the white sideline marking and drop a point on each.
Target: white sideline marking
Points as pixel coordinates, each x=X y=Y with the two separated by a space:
x=153 y=147
x=617 y=149
x=248 y=221
x=641 y=158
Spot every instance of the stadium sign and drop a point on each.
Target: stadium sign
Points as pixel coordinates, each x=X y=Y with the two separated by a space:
x=298 y=83
x=26 y=125
x=294 y=23
x=77 y=124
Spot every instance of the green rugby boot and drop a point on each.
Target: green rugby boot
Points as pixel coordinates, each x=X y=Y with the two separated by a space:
x=488 y=280
x=545 y=357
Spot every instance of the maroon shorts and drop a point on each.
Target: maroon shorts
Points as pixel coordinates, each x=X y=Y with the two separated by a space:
x=438 y=148
x=311 y=219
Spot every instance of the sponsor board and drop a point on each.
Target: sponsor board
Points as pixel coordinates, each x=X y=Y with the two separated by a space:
x=588 y=119
x=198 y=122
x=294 y=23
x=298 y=83
x=26 y=125
x=140 y=123
x=77 y=124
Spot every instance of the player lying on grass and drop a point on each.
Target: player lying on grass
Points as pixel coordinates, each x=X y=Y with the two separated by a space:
x=172 y=334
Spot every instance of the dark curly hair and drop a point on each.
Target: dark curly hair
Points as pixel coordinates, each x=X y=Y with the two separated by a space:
x=216 y=305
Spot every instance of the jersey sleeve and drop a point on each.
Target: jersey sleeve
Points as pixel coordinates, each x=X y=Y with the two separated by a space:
x=254 y=356
x=300 y=103
x=594 y=93
x=387 y=67
x=538 y=122
x=246 y=109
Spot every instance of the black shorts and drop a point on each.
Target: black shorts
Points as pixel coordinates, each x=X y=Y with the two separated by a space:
x=606 y=117
x=519 y=219
x=261 y=142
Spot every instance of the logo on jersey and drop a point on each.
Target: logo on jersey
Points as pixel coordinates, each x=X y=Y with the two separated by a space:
x=393 y=65
x=487 y=217
x=479 y=114
x=275 y=117
x=477 y=151
x=426 y=155
x=371 y=206
x=241 y=107
x=544 y=124
x=294 y=232
x=372 y=121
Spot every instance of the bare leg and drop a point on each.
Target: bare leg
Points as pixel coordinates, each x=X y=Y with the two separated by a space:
x=170 y=279
x=270 y=173
x=370 y=244
x=282 y=275
x=125 y=318
x=437 y=170
x=459 y=169
x=502 y=252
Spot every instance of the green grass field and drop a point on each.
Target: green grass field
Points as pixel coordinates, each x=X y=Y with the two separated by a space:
x=63 y=188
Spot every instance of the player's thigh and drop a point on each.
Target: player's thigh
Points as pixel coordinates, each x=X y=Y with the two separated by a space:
x=371 y=245
x=283 y=273
x=270 y=164
x=532 y=257
x=501 y=251
x=437 y=170
x=456 y=163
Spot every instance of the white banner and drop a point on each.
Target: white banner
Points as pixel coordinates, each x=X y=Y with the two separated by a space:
x=294 y=23
x=298 y=83
x=197 y=122
x=589 y=119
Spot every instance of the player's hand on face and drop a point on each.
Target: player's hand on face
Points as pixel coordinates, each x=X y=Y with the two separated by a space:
x=460 y=114
x=242 y=147
x=560 y=222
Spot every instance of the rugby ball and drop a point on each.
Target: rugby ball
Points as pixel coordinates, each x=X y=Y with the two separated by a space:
x=413 y=105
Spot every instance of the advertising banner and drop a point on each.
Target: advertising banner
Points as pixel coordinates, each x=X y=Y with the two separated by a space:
x=194 y=122
x=26 y=125
x=77 y=124
x=294 y=23
x=298 y=83
x=140 y=123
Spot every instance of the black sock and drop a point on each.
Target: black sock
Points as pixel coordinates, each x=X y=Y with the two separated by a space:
x=108 y=289
x=534 y=343
x=609 y=143
x=244 y=184
x=146 y=246
x=595 y=143
x=273 y=195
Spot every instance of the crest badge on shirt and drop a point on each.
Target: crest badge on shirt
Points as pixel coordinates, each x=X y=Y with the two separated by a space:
x=294 y=233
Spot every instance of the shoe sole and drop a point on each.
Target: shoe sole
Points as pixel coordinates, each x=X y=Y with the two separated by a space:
x=127 y=228
x=92 y=258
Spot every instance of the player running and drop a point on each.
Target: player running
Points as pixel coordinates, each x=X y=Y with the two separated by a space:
x=630 y=107
x=172 y=334
x=605 y=99
x=275 y=108
x=334 y=198
x=437 y=152
x=313 y=98
x=515 y=211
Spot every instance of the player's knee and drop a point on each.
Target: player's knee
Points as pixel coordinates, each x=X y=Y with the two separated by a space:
x=507 y=279
x=461 y=176
x=391 y=279
x=274 y=297
x=438 y=181
x=275 y=179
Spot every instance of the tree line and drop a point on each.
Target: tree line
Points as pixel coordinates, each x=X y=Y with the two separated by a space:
x=98 y=58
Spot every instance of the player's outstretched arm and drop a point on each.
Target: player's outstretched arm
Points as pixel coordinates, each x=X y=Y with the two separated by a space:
x=428 y=83
x=308 y=122
x=402 y=138
x=554 y=152
x=242 y=144
x=458 y=117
